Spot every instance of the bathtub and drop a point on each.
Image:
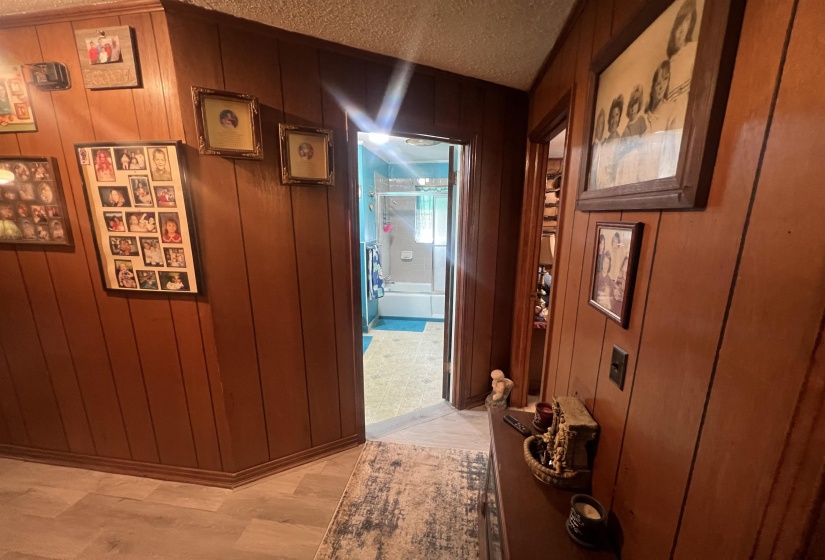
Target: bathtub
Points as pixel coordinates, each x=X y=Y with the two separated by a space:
x=411 y=299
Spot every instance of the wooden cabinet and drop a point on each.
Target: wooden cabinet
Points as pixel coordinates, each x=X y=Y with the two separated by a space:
x=519 y=516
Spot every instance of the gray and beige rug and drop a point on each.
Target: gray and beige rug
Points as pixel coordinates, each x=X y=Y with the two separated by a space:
x=406 y=501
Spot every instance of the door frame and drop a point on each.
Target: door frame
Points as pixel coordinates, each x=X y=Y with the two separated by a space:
x=468 y=143
x=530 y=230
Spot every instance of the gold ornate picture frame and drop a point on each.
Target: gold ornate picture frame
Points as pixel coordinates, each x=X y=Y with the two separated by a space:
x=306 y=155
x=228 y=123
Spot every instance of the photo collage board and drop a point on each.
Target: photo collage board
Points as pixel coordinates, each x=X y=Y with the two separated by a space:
x=32 y=208
x=140 y=210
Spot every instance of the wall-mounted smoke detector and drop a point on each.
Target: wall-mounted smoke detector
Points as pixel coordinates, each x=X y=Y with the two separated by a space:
x=422 y=142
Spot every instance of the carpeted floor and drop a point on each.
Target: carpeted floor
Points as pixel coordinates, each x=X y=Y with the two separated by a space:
x=406 y=501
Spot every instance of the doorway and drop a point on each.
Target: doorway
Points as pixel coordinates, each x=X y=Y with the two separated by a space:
x=407 y=203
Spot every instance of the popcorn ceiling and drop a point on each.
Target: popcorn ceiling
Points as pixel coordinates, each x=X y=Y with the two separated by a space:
x=502 y=41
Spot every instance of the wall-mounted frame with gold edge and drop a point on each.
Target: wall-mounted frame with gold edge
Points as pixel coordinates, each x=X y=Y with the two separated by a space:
x=228 y=123
x=306 y=155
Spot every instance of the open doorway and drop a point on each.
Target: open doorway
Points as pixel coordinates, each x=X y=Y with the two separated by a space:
x=408 y=201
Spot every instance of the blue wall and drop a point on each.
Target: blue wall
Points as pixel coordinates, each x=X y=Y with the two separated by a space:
x=368 y=165
x=416 y=170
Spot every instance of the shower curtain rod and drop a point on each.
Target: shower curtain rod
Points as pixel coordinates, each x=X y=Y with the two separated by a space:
x=413 y=193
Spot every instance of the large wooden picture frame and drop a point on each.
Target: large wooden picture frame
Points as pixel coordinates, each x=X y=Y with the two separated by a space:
x=108 y=57
x=228 y=123
x=656 y=101
x=614 y=269
x=33 y=209
x=141 y=214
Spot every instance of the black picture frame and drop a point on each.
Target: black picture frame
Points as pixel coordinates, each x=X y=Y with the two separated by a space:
x=100 y=232
x=688 y=188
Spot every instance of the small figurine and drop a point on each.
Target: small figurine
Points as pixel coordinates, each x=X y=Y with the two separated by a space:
x=501 y=390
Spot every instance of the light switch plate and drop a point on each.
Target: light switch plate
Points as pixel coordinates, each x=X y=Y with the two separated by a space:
x=618 y=367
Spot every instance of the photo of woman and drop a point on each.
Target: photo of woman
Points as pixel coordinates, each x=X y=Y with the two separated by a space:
x=45 y=193
x=174 y=257
x=114 y=197
x=124 y=246
x=141 y=191
x=648 y=130
x=170 y=227
x=612 y=274
x=21 y=172
x=104 y=170
x=229 y=119
x=114 y=221
x=165 y=197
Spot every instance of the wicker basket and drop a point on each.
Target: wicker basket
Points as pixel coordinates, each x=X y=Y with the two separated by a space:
x=548 y=476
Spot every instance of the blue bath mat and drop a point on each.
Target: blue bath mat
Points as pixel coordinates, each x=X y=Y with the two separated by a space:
x=367 y=340
x=406 y=325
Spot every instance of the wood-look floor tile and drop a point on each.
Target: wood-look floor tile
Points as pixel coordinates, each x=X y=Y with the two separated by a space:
x=39 y=474
x=122 y=486
x=189 y=496
x=21 y=556
x=297 y=510
x=8 y=464
x=322 y=486
x=343 y=463
x=44 y=501
x=40 y=536
x=281 y=539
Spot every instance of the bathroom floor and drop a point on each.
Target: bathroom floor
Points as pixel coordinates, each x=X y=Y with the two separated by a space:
x=402 y=371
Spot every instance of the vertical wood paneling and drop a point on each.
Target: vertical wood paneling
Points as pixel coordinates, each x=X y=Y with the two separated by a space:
x=447 y=104
x=783 y=308
x=120 y=427
x=213 y=184
x=10 y=404
x=270 y=245
x=339 y=73
x=301 y=84
x=5 y=436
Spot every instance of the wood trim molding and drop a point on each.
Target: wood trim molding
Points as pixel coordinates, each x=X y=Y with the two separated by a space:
x=173 y=473
x=71 y=13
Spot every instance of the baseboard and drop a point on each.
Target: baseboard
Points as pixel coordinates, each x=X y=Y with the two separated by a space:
x=474 y=401
x=173 y=473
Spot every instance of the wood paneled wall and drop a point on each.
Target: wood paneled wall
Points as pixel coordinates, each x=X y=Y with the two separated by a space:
x=713 y=449
x=263 y=368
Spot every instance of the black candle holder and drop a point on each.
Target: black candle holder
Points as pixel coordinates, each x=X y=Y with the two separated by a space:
x=586 y=521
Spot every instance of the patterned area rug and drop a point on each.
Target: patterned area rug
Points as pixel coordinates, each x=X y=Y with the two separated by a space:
x=408 y=502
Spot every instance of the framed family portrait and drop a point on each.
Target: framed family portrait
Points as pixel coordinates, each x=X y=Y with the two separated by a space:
x=657 y=96
x=614 y=269
x=229 y=124
x=306 y=155
x=32 y=206
x=16 y=113
x=108 y=58
x=141 y=213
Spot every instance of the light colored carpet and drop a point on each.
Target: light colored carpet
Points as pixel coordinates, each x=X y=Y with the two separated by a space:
x=406 y=501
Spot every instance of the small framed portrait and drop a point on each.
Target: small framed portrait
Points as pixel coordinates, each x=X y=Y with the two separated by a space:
x=306 y=156
x=16 y=113
x=125 y=274
x=159 y=164
x=228 y=123
x=141 y=222
x=141 y=192
x=165 y=197
x=27 y=230
x=170 y=227
x=147 y=279
x=114 y=197
x=38 y=214
x=104 y=168
x=614 y=269
x=174 y=281
x=655 y=90
x=21 y=110
x=152 y=255
x=11 y=194
x=132 y=158
x=33 y=212
x=175 y=257
x=114 y=221
x=148 y=223
x=107 y=57
x=124 y=246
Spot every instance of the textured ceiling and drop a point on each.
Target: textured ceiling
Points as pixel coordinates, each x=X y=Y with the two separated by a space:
x=502 y=41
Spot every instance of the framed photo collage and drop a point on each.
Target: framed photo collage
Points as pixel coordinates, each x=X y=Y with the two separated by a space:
x=140 y=211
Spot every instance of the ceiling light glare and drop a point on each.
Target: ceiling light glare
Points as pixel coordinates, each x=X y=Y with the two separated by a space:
x=379 y=138
x=6 y=176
